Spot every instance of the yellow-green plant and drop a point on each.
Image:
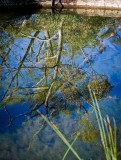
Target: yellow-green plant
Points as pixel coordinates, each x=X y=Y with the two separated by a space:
x=108 y=135
x=58 y=132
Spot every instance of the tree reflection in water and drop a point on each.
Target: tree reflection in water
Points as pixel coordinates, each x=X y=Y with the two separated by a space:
x=51 y=68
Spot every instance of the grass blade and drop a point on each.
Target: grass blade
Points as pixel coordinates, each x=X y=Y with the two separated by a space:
x=52 y=125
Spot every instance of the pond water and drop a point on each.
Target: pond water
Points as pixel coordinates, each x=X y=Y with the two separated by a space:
x=47 y=62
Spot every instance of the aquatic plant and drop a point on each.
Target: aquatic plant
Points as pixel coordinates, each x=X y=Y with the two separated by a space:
x=58 y=132
x=99 y=87
x=89 y=132
x=108 y=135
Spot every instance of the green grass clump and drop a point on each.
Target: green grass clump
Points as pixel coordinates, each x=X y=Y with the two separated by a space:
x=108 y=135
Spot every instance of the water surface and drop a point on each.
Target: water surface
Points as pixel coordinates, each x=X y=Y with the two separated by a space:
x=47 y=62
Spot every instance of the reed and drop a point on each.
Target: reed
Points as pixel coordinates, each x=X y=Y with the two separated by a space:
x=58 y=132
x=107 y=133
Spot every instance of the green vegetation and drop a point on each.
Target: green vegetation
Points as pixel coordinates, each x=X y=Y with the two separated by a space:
x=89 y=131
x=108 y=135
x=52 y=125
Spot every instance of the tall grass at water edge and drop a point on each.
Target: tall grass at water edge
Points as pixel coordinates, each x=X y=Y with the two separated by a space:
x=107 y=133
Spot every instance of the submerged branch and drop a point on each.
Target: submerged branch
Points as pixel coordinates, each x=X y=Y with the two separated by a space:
x=39 y=39
x=59 y=50
x=19 y=68
x=35 y=134
x=11 y=119
x=49 y=45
